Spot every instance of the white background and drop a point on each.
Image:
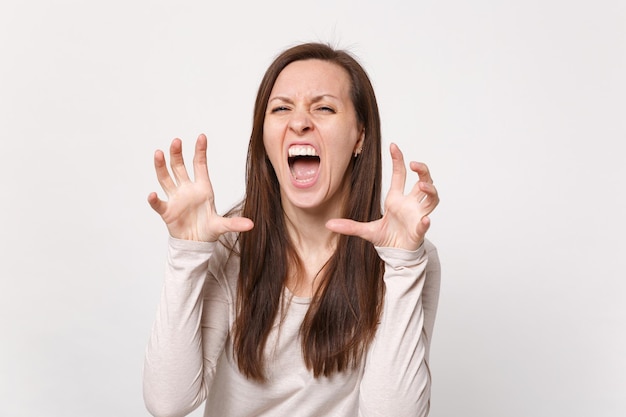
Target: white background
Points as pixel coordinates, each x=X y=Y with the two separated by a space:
x=518 y=107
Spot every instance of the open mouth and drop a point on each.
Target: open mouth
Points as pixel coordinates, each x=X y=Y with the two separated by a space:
x=304 y=163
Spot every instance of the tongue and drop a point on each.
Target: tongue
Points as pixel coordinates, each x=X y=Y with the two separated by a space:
x=304 y=169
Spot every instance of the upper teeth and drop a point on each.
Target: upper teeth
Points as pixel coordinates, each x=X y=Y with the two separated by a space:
x=302 y=150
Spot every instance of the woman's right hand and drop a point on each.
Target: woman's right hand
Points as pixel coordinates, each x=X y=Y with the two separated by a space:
x=189 y=211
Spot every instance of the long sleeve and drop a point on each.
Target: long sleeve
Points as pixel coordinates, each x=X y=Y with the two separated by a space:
x=396 y=380
x=189 y=332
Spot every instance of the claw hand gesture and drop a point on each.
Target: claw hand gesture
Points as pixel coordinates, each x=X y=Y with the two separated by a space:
x=405 y=219
x=189 y=212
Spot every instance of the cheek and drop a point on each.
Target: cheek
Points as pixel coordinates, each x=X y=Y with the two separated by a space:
x=350 y=140
x=342 y=154
x=272 y=150
x=267 y=136
x=271 y=134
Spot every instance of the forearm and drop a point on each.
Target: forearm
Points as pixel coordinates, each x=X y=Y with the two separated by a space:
x=396 y=379
x=174 y=370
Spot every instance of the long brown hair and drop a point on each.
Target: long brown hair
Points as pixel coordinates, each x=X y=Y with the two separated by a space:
x=343 y=315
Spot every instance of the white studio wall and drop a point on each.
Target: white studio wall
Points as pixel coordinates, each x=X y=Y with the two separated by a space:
x=517 y=107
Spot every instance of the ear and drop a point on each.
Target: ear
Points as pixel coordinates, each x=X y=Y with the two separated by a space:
x=358 y=147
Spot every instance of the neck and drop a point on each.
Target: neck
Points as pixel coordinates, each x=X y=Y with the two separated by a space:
x=313 y=243
x=309 y=233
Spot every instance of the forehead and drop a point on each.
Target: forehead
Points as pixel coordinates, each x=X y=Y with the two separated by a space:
x=313 y=76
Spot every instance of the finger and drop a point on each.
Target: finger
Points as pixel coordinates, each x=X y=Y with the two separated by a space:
x=351 y=228
x=235 y=224
x=423 y=226
x=424 y=178
x=163 y=175
x=424 y=189
x=200 y=170
x=157 y=204
x=398 y=175
x=427 y=197
x=422 y=171
x=429 y=189
x=176 y=161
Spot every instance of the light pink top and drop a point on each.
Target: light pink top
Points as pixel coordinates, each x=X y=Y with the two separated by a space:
x=189 y=358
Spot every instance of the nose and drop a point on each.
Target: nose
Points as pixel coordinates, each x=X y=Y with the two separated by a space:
x=300 y=122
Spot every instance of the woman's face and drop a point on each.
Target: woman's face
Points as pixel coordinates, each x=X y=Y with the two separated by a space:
x=311 y=134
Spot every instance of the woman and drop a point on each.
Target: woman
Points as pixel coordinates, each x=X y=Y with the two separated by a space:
x=307 y=300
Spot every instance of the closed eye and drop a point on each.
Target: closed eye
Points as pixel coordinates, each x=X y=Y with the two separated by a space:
x=278 y=109
x=326 y=109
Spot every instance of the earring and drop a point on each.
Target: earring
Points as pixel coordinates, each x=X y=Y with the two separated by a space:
x=358 y=150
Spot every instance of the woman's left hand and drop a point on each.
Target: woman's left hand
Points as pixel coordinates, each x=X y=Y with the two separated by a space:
x=405 y=219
